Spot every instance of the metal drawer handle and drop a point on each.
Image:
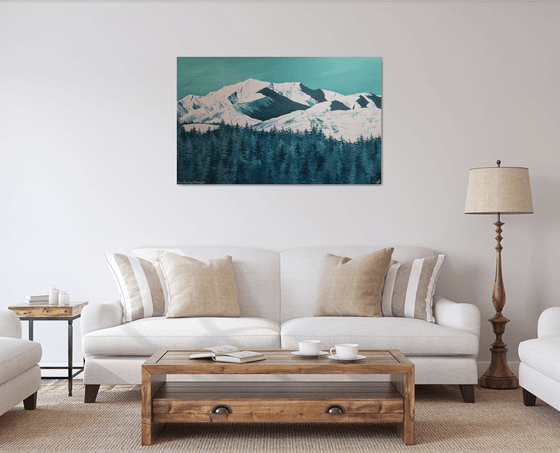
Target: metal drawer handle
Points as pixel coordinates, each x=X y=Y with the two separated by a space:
x=335 y=409
x=221 y=409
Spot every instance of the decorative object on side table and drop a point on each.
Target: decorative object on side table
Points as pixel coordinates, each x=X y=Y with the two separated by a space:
x=53 y=295
x=48 y=312
x=499 y=190
x=63 y=298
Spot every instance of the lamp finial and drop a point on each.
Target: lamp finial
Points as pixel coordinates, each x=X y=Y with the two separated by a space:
x=498 y=162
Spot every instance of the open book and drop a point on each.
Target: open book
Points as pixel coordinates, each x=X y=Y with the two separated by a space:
x=228 y=353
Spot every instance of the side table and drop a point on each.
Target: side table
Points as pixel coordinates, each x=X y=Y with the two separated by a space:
x=47 y=312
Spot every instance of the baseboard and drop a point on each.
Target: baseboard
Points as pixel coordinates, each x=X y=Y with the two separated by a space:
x=483 y=366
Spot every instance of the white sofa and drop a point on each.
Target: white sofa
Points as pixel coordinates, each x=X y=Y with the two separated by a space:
x=20 y=375
x=276 y=295
x=539 y=370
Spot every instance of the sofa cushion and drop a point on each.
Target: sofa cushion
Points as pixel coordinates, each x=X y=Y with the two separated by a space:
x=409 y=288
x=410 y=336
x=146 y=336
x=17 y=356
x=352 y=287
x=140 y=285
x=199 y=288
x=543 y=355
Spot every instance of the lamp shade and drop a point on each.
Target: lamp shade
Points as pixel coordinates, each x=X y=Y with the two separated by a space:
x=499 y=190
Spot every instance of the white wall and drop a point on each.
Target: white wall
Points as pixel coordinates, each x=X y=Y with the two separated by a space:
x=88 y=154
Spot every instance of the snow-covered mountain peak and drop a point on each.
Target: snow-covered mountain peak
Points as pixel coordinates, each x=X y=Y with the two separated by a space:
x=287 y=105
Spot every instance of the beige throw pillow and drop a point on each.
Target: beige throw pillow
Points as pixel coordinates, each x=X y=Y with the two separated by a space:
x=352 y=287
x=199 y=288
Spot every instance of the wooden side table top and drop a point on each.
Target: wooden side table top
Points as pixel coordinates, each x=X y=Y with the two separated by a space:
x=48 y=311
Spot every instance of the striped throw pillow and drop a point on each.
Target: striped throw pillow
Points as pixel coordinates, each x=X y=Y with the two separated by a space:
x=409 y=288
x=140 y=285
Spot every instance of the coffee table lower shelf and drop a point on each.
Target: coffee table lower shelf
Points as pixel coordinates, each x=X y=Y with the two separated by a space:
x=196 y=402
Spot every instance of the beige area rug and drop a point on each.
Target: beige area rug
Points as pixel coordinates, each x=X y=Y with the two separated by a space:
x=497 y=422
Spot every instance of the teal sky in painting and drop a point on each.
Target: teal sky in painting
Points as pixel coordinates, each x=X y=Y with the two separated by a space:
x=345 y=75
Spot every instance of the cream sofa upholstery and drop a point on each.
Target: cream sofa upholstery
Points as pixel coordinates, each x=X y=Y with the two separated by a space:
x=20 y=375
x=539 y=370
x=276 y=295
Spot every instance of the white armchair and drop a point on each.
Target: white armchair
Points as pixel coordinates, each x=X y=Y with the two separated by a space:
x=20 y=375
x=539 y=370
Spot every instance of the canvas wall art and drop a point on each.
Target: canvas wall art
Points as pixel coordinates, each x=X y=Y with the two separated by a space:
x=279 y=120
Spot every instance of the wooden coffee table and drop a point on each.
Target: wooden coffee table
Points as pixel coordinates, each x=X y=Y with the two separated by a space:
x=293 y=401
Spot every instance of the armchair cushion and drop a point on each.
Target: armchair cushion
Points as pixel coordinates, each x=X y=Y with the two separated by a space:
x=543 y=355
x=17 y=356
x=549 y=322
x=10 y=325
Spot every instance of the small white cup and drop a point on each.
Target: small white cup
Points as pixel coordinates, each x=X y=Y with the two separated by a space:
x=346 y=351
x=310 y=347
x=63 y=298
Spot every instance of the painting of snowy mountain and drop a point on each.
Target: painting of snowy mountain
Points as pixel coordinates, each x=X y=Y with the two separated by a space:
x=300 y=120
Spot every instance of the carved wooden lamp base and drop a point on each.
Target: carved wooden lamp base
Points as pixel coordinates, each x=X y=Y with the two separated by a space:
x=498 y=375
x=497 y=383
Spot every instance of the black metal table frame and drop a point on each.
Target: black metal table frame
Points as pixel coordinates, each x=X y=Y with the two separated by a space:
x=70 y=366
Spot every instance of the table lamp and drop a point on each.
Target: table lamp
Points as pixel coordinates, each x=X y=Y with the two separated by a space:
x=499 y=190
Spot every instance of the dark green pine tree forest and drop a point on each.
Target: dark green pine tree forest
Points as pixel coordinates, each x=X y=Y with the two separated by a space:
x=242 y=155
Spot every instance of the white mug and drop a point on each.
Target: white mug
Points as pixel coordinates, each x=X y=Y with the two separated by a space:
x=346 y=351
x=310 y=347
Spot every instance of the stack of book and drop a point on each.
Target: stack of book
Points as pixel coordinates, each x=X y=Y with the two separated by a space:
x=42 y=299
x=229 y=354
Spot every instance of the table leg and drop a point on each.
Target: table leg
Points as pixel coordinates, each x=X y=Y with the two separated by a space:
x=151 y=383
x=405 y=385
x=30 y=330
x=408 y=425
x=70 y=363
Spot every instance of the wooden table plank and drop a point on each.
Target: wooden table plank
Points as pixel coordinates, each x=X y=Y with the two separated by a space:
x=279 y=362
x=48 y=311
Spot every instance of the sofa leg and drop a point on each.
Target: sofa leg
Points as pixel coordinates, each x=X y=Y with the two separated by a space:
x=468 y=393
x=91 y=393
x=30 y=402
x=528 y=398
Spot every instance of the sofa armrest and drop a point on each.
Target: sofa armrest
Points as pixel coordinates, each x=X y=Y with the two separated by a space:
x=458 y=316
x=549 y=322
x=10 y=325
x=101 y=316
